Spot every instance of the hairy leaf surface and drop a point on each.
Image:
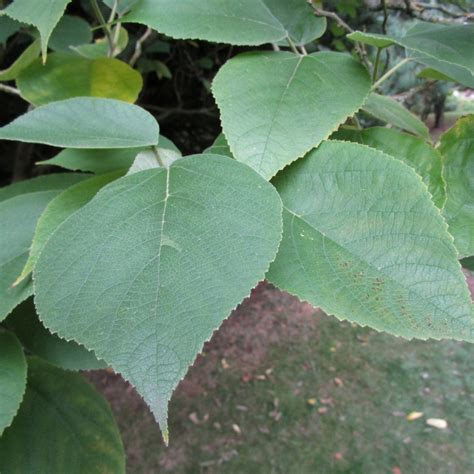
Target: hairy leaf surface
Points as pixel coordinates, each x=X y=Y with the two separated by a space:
x=66 y=75
x=363 y=240
x=413 y=151
x=244 y=22
x=12 y=378
x=146 y=271
x=65 y=425
x=85 y=122
x=457 y=148
x=277 y=106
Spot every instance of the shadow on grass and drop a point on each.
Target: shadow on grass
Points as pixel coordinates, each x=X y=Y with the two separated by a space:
x=282 y=388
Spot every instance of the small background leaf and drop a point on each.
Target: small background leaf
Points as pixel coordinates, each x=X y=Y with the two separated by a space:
x=12 y=378
x=67 y=75
x=66 y=425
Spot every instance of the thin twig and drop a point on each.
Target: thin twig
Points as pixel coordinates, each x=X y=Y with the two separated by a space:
x=376 y=65
x=390 y=72
x=105 y=26
x=292 y=46
x=139 y=46
x=9 y=89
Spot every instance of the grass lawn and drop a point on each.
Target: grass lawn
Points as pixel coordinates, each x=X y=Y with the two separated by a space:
x=305 y=393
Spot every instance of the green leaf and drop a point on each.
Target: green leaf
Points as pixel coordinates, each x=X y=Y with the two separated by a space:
x=220 y=147
x=12 y=378
x=8 y=27
x=65 y=76
x=59 y=209
x=49 y=182
x=445 y=48
x=372 y=39
x=468 y=263
x=100 y=47
x=246 y=22
x=277 y=106
x=16 y=238
x=389 y=110
x=65 y=425
x=146 y=271
x=70 y=31
x=85 y=122
x=23 y=61
x=96 y=161
x=159 y=156
x=457 y=149
x=123 y=6
x=44 y=15
x=39 y=341
x=101 y=161
x=413 y=151
x=363 y=240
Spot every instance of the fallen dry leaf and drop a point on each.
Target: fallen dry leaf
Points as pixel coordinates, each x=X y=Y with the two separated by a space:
x=414 y=415
x=437 y=423
x=225 y=364
x=338 y=382
x=396 y=470
x=312 y=401
x=236 y=428
x=322 y=410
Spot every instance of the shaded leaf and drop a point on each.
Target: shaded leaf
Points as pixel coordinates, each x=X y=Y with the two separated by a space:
x=100 y=47
x=390 y=111
x=40 y=342
x=15 y=239
x=44 y=15
x=12 y=378
x=58 y=210
x=85 y=122
x=457 y=149
x=363 y=240
x=207 y=228
x=23 y=61
x=70 y=31
x=74 y=429
x=277 y=106
x=65 y=76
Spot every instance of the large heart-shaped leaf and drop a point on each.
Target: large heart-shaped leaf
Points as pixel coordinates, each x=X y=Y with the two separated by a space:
x=85 y=122
x=40 y=342
x=363 y=240
x=146 y=271
x=413 y=151
x=17 y=232
x=12 y=378
x=63 y=425
x=457 y=148
x=277 y=106
x=246 y=22
x=65 y=76
x=44 y=15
